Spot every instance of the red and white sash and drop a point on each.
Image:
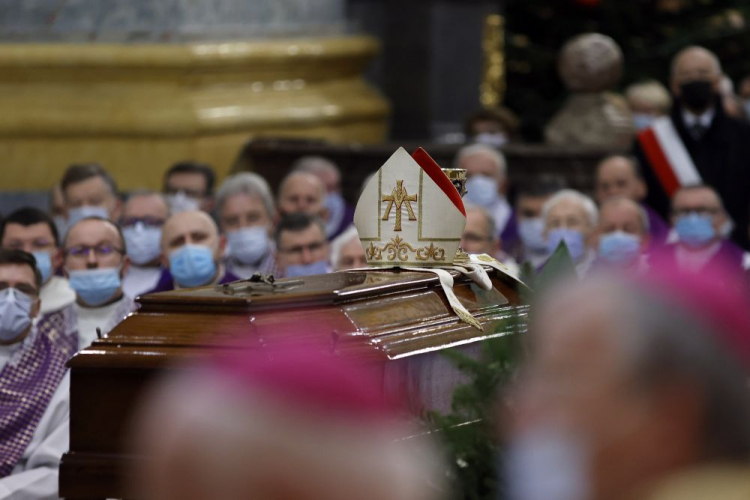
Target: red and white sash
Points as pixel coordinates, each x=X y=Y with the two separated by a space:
x=668 y=156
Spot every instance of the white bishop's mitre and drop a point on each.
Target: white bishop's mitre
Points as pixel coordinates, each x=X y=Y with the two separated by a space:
x=410 y=214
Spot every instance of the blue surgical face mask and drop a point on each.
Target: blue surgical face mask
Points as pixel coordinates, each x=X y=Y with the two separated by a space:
x=695 y=230
x=44 y=264
x=15 y=313
x=249 y=244
x=642 y=121
x=84 y=212
x=319 y=267
x=619 y=247
x=95 y=286
x=336 y=207
x=192 y=265
x=573 y=240
x=493 y=139
x=143 y=243
x=531 y=231
x=481 y=190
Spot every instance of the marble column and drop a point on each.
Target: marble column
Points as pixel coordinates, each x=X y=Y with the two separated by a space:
x=140 y=84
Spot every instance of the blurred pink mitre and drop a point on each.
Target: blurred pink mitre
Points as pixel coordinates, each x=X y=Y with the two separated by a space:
x=287 y=424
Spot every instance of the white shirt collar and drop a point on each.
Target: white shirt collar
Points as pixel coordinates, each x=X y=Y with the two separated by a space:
x=704 y=119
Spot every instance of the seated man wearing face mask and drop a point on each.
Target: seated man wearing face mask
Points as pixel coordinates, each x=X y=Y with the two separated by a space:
x=699 y=143
x=486 y=171
x=33 y=231
x=530 y=198
x=143 y=216
x=95 y=262
x=647 y=101
x=622 y=234
x=189 y=185
x=245 y=209
x=89 y=191
x=339 y=213
x=619 y=175
x=301 y=246
x=493 y=127
x=347 y=251
x=191 y=248
x=33 y=381
x=698 y=216
x=572 y=217
x=480 y=237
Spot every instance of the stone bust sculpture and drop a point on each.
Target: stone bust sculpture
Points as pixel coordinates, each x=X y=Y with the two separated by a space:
x=590 y=65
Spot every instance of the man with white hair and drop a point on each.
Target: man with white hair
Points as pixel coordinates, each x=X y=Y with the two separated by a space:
x=647 y=101
x=698 y=143
x=486 y=171
x=340 y=213
x=347 y=251
x=622 y=234
x=245 y=210
x=480 y=237
x=571 y=217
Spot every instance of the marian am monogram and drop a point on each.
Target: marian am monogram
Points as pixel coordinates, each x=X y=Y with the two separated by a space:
x=398 y=197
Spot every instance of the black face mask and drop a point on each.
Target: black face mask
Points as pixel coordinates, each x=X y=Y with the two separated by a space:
x=697 y=95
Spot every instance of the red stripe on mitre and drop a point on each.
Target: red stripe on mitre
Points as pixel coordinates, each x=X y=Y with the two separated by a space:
x=659 y=161
x=438 y=177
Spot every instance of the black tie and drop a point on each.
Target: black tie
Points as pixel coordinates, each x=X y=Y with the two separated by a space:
x=697 y=131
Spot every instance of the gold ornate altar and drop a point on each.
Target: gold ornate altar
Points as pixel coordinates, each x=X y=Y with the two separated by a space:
x=138 y=108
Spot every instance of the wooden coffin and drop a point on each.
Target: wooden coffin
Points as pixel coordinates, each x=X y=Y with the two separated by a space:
x=399 y=320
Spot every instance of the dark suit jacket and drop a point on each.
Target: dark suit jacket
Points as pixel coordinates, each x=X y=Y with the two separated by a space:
x=722 y=157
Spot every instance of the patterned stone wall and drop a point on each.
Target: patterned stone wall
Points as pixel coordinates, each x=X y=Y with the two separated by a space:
x=166 y=20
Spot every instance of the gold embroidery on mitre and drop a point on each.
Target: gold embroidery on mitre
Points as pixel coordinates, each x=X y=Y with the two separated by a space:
x=398 y=248
x=431 y=252
x=373 y=252
x=398 y=197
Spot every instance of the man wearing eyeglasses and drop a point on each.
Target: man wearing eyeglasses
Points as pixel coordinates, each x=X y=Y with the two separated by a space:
x=191 y=250
x=144 y=215
x=33 y=231
x=480 y=236
x=301 y=246
x=699 y=219
x=33 y=382
x=95 y=262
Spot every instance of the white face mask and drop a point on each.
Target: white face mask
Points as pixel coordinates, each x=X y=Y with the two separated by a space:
x=180 y=202
x=546 y=463
x=248 y=245
x=496 y=139
x=78 y=214
x=15 y=313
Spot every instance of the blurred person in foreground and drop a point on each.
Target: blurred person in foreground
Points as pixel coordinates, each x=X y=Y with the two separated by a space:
x=487 y=174
x=245 y=211
x=620 y=175
x=191 y=252
x=301 y=246
x=284 y=425
x=95 y=262
x=635 y=388
x=89 y=191
x=143 y=216
x=33 y=231
x=339 y=214
x=647 y=101
x=347 y=251
x=530 y=199
x=698 y=143
x=571 y=217
x=699 y=219
x=189 y=185
x=33 y=382
x=480 y=237
x=622 y=235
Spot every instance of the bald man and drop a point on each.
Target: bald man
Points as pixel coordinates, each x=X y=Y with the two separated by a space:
x=302 y=192
x=698 y=143
x=191 y=250
x=620 y=176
